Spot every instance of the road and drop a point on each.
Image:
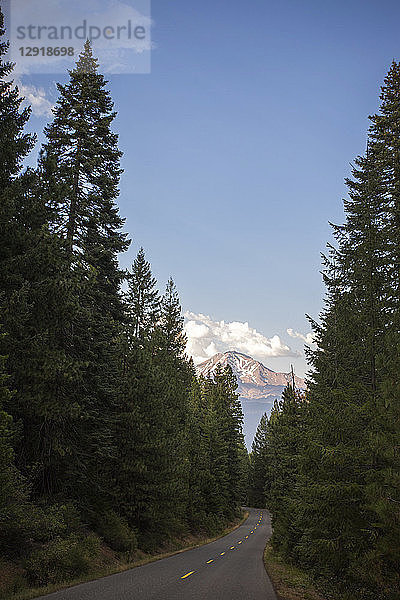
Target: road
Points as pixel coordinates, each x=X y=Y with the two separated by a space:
x=230 y=568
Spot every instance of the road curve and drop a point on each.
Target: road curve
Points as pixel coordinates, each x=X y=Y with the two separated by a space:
x=231 y=568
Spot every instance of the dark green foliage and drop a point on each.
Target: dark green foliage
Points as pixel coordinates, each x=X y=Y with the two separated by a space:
x=258 y=463
x=331 y=464
x=80 y=164
x=282 y=450
x=15 y=143
x=77 y=309
x=142 y=298
x=62 y=559
x=217 y=459
x=169 y=334
x=229 y=410
x=116 y=532
x=13 y=490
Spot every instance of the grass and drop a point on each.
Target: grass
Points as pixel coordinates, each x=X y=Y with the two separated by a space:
x=290 y=582
x=110 y=563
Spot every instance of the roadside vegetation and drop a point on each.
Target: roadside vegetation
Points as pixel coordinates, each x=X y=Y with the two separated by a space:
x=290 y=582
x=15 y=586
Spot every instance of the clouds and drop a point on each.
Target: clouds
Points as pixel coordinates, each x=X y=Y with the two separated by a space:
x=207 y=337
x=308 y=338
x=37 y=99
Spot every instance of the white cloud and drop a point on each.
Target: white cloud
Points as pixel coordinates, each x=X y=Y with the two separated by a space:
x=308 y=338
x=37 y=98
x=207 y=337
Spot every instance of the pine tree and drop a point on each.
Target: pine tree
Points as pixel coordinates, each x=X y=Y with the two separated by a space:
x=80 y=171
x=16 y=144
x=224 y=424
x=342 y=392
x=13 y=491
x=139 y=461
x=258 y=463
x=80 y=166
x=284 y=434
x=218 y=477
x=198 y=451
x=16 y=214
x=26 y=255
x=153 y=464
x=385 y=142
x=142 y=298
x=64 y=331
x=381 y=564
x=348 y=477
x=216 y=473
x=171 y=322
x=174 y=375
x=231 y=409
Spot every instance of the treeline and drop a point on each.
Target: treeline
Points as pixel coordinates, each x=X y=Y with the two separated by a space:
x=106 y=435
x=328 y=464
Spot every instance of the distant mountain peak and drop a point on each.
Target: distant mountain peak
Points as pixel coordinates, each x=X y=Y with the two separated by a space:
x=255 y=380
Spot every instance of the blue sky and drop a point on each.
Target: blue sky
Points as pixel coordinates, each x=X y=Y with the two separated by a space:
x=236 y=147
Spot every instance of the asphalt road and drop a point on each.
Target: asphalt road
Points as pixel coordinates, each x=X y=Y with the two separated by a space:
x=230 y=568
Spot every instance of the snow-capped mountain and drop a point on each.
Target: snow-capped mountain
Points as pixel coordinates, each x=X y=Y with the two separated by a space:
x=255 y=380
x=258 y=386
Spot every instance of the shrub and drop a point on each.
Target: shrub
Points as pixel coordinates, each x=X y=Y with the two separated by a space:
x=26 y=525
x=62 y=559
x=12 y=578
x=116 y=532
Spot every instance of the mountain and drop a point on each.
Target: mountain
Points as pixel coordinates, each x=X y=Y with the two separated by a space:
x=258 y=386
x=255 y=380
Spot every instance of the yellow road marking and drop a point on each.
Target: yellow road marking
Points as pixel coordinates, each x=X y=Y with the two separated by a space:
x=232 y=547
x=251 y=531
x=212 y=560
x=187 y=575
x=222 y=553
x=240 y=542
x=247 y=537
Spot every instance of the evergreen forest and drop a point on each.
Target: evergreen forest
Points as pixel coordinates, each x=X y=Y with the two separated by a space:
x=327 y=462
x=108 y=441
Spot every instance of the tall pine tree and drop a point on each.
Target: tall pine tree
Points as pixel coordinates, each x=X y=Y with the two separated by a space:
x=142 y=298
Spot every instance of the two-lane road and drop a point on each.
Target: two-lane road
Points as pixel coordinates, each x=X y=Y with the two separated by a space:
x=230 y=568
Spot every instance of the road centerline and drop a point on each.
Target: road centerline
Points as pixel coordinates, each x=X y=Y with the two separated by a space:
x=187 y=574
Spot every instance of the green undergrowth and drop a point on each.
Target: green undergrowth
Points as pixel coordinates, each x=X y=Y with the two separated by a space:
x=290 y=582
x=294 y=583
